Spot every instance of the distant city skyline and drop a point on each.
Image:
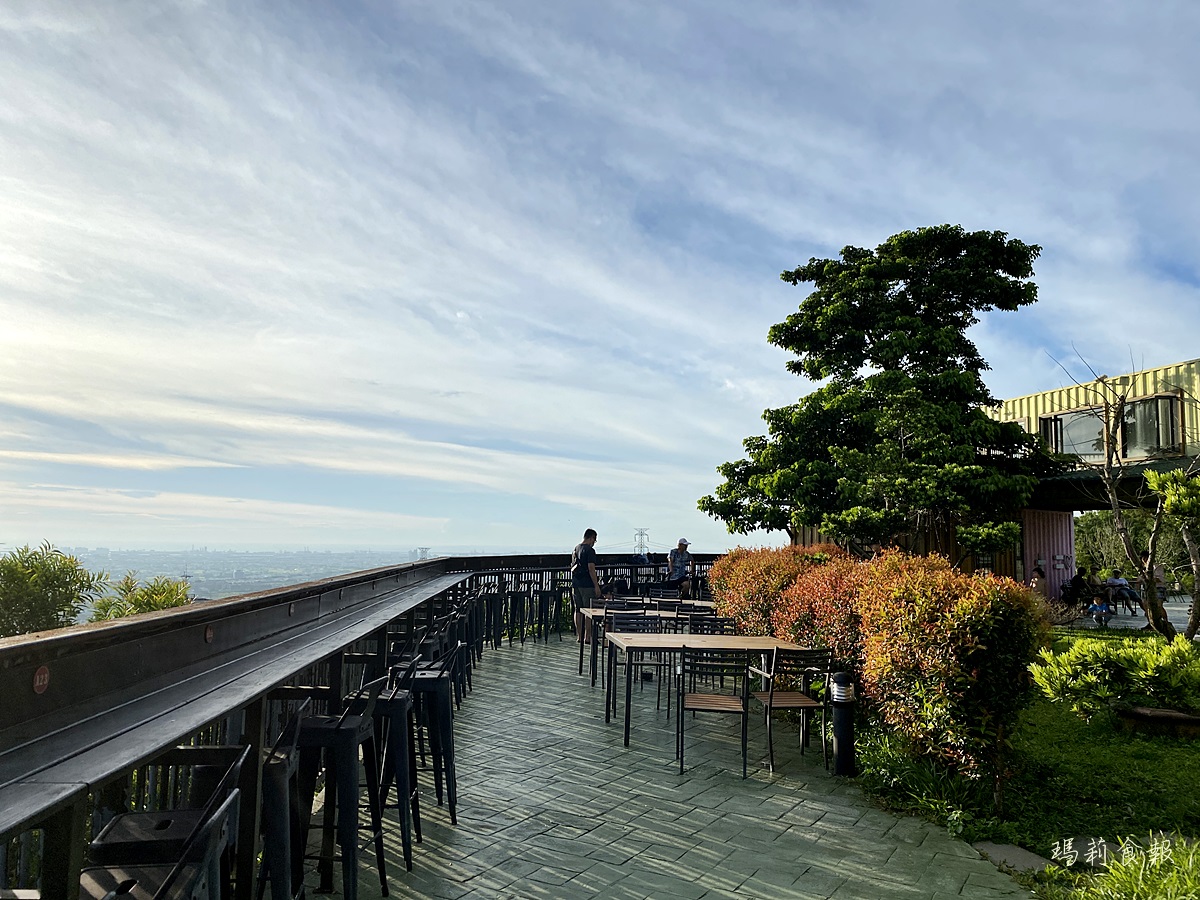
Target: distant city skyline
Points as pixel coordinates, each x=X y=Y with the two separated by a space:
x=487 y=274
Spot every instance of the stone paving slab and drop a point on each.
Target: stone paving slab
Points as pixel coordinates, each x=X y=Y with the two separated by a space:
x=551 y=805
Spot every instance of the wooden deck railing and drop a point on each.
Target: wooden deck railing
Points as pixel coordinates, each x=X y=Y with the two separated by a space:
x=82 y=707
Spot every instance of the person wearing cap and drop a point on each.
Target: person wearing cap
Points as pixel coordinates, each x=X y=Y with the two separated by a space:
x=681 y=569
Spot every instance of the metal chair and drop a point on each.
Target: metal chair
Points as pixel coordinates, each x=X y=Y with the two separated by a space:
x=398 y=761
x=711 y=668
x=789 y=680
x=196 y=872
x=341 y=737
x=432 y=694
x=159 y=837
x=283 y=852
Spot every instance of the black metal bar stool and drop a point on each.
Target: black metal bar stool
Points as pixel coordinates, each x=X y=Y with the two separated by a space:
x=518 y=602
x=283 y=850
x=432 y=690
x=399 y=762
x=341 y=737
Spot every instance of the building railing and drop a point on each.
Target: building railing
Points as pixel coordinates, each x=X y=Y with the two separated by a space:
x=81 y=708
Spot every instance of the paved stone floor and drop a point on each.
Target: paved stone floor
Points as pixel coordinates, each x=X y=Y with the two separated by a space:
x=552 y=805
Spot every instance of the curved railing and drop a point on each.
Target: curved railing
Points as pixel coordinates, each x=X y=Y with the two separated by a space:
x=83 y=706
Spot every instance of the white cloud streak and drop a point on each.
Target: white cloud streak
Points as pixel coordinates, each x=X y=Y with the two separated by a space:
x=530 y=253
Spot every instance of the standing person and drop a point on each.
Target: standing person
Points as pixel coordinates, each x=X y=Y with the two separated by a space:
x=681 y=569
x=585 y=583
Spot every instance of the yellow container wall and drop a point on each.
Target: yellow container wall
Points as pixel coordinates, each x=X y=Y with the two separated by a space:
x=1179 y=378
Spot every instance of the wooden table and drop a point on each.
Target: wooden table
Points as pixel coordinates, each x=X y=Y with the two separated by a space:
x=637 y=644
x=595 y=614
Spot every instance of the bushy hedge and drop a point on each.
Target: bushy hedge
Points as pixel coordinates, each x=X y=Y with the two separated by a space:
x=942 y=656
x=746 y=582
x=946 y=656
x=1092 y=676
x=820 y=609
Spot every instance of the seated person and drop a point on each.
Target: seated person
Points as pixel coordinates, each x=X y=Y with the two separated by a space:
x=681 y=567
x=1100 y=611
x=1080 y=588
x=1119 y=588
x=1038 y=582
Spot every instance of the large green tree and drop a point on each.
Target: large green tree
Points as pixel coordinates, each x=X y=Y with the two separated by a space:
x=43 y=588
x=896 y=441
x=1179 y=493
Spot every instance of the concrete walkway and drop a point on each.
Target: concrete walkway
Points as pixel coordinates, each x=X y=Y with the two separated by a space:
x=551 y=805
x=1176 y=608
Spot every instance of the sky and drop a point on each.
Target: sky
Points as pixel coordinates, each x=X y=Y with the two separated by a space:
x=478 y=275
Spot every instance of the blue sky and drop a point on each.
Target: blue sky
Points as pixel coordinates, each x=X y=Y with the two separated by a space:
x=480 y=275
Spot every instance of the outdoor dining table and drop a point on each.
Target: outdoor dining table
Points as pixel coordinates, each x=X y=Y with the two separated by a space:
x=635 y=644
x=595 y=614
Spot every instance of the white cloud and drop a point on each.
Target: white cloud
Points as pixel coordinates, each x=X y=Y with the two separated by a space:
x=531 y=252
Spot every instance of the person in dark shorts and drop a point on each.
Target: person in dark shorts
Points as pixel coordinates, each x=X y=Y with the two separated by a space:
x=585 y=583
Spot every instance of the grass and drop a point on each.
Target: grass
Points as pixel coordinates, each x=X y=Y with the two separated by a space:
x=1161 y=871
x=1072 y=777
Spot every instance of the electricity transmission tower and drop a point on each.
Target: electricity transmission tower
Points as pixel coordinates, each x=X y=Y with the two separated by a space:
x=641 y=542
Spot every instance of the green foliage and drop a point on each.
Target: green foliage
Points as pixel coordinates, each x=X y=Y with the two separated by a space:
x=1065 y=777
x=897 y=441
x=42 y=589
x=130 y=597
x=1162 y=870
x=747 y=582
x=1093 y=676
x=1180 y=491
x=917 y=784
x=945 y=657
x=1099 y=547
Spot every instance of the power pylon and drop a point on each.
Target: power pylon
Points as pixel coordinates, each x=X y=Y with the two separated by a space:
x=641 y=544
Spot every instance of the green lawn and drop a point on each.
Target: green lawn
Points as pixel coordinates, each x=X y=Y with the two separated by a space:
x=1076 y=778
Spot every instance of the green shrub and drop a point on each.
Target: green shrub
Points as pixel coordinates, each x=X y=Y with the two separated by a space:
x=130 y=597
x=747 y=583
x=1163 y=870
x=919 y=785
x=42 y=589
x=946 y=657
x=1092 y=676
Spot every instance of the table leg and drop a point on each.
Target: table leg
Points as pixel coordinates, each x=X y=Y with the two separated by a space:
x=628 y=689
x=609 y=678
x=581 y=632
x=595 y=651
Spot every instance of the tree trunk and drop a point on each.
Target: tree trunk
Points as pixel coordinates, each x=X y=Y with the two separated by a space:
x=1193 y=549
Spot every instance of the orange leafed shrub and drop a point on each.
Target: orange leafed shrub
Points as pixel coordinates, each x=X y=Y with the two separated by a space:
x=942 y=657
x=747 y=582
x=946 y=655
x=820 y=609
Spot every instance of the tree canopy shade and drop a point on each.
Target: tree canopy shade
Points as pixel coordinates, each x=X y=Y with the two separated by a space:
x=896 y=441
